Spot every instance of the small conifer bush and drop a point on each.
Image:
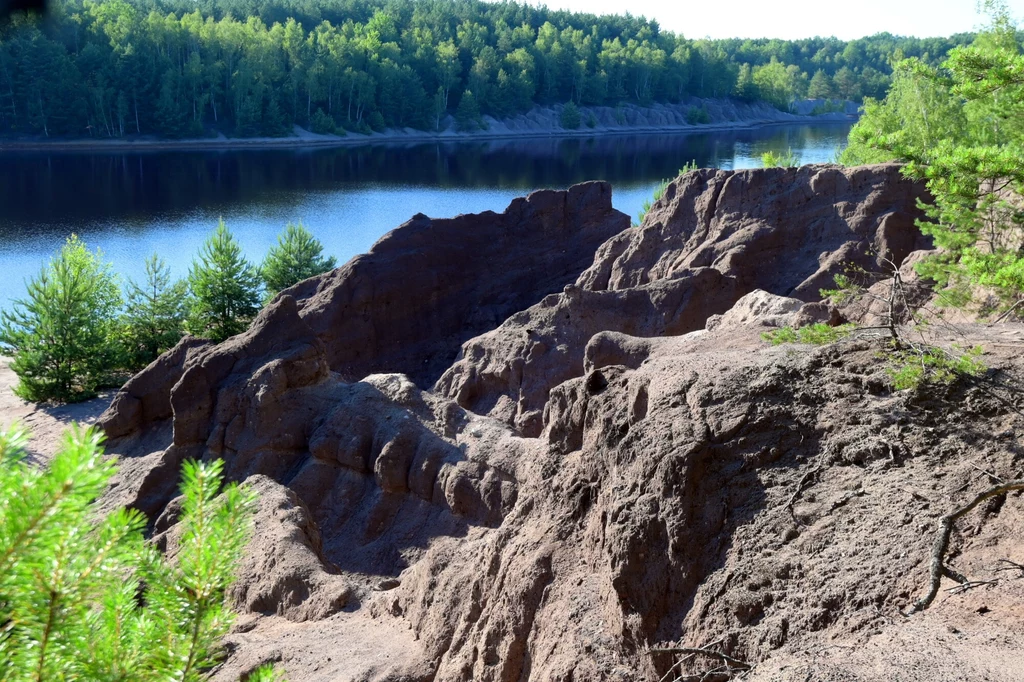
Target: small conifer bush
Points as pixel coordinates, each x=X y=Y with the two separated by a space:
x=84 y=597
x=225 y=288
x=60 y=334
x=297 y=256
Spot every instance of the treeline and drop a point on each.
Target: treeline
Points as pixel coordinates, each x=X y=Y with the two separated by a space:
x=174 y=68
x=79 y=329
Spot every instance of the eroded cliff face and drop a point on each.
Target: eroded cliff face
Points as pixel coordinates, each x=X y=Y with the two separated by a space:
x=613 y=467
x=713 y=237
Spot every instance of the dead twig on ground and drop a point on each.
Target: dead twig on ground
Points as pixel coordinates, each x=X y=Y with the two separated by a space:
x=970 y=585
x=995 y=479
x=1010 y=566
x=938 y=566
x=800 y=487
x=703 y=651
x=1006 y=314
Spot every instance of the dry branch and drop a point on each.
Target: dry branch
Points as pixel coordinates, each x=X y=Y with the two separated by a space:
x=938 y=567
x=697 y=651
x=1010 y=566
x=804 y=482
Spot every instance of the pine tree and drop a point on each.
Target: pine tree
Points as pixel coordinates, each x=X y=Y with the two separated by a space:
x=467 y=114
x=61 y=334
x=570 y=116
x=297 y=256
x=224 y=287
x=821 y=86
x=85 y=597
x=154 y=316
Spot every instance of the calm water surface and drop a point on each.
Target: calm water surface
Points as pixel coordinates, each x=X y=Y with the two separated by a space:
x=132 y=205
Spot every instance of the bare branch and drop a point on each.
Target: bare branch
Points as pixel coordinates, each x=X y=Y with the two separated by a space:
x=697 y=651
x=1010 y=566
x=938 y=567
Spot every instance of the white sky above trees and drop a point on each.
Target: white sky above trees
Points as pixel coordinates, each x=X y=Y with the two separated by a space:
x=791 y=19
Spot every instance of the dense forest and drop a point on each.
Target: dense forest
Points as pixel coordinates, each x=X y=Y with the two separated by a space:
x=175 y=68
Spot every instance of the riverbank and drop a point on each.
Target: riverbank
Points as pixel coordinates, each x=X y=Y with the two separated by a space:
x=539 y=123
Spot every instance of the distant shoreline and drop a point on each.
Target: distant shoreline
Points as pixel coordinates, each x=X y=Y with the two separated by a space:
x=307 y=140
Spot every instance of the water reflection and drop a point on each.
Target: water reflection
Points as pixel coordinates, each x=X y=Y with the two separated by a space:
x=133 y=204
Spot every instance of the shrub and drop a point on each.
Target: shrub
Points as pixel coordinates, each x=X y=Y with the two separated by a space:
x=154 y=314
x=659 y=192
x=376 y=122
x=570 y=116
x=224 y=287
x=698 y=116
x=321 y=123
x=819 y=334
x=297 y=256
x=828 y=107
x=60 y=335
x=772 y=159
x=591 y=121
x=910 y=369
x=85 y=596
x=467 y=114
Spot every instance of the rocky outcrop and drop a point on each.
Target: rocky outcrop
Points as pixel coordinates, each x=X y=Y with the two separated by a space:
x=429 y=285
x=615 y=464
x=714 y=236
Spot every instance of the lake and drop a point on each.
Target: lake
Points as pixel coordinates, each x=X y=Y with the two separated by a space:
x=134 y=204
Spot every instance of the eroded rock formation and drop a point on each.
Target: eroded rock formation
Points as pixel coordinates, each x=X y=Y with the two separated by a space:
x=610 y=464
x=713 y=237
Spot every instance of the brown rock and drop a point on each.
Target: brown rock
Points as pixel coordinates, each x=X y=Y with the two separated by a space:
x=713 y=237
x=599 y=473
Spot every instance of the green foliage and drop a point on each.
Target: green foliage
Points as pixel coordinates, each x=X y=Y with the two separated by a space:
x=467 y=115
x=224 y=287
x=111 y=69
x=818 y=334
x=698 y=116
x=913 y=369
x=659 y=192
x=570 y=116
x=85 y=597
x=771 y=159
x=961 y=128
x=60 y=334
x=591 y=121
x=828 y=107
x=321 y=123
x=821 y=86
x=154 y=314
x=845 y=292
x=297 y=256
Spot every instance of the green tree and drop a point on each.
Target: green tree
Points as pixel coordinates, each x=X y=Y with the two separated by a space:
x=467 y=114
x=154 y=314
x=570 y=116
x=61 y=334
x=821 y=86
x=297 y=256
x=85 y=596
x=774 y=84
x=224 y=288
x=960 y=129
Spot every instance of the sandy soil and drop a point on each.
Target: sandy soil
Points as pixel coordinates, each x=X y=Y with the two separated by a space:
x=46 y=422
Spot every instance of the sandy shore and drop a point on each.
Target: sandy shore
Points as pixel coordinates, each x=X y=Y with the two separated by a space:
x=46 y=422
x=304 y=139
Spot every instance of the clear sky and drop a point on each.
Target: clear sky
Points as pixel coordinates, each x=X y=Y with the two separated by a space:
x=796 y=18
